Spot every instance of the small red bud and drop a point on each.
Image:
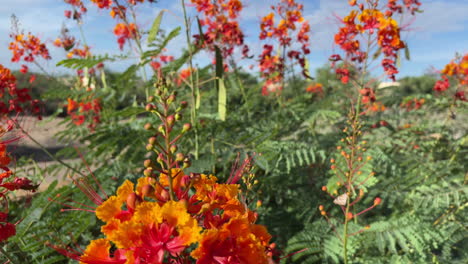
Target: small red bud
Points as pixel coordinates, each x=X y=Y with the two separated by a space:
x=170 y=120
x=147 y=172
x=148 y=126
x=171 y=98
x=173 y=148
x=160 y=158
x=183 y=104
x=186 y=127
x=149 y=107
x=324 y=188
x=377 y=201
x=152 y=140
x=147 y=163
x=179 y=157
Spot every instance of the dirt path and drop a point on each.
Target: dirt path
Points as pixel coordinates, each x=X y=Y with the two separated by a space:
x=43 y=132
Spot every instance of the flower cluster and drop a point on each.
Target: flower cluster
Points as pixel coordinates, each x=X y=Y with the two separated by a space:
x=170 y=216
x=8 y=182
x=413 y=104
x=78 y=9
x=27 y=48
x=457 y=72
x=369 y=102
x=291 y=23
x=71 y=46
x=13 y=98
x=82 y=111
x=221 y=27
x=124 y=30
x=375 y=26
x=146 y=226
x=316 y=88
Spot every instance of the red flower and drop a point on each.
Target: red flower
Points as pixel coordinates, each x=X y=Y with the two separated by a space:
x=125 y=32
x=442 y=85
x=7 y=230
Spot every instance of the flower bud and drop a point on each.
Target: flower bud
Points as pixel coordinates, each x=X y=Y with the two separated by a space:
x=377 y=201
x=147 y=190
x=152 y=140
x=178 y=116
x=148 y=126
x=349 y=216
x=147 y=163
x=171 y=98
x=324 y=188
x=149 y=107
x=187 y=163
x=179 y=157
x=147 y=172
x=161 y=129
x=160 y=158
x=183 y=104
x=186 y=127
x=149 y=147
x=321 y=207
x=165 y=195
x=173 y=149
x=170 y=120
x=151 y=99
x=383 y=123
x=133 y=200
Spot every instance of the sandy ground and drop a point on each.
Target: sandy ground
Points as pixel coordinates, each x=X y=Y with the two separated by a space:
x=43 y=132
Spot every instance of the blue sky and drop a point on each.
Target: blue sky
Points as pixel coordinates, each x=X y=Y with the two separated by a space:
x=434 y=36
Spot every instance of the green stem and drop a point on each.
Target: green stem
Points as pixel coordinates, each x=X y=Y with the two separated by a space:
x=10 y=260
x=167 y=139
x=345 y=235
x=193 y=85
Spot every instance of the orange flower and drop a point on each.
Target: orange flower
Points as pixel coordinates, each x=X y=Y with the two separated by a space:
x=125 y=32
x=237 y=241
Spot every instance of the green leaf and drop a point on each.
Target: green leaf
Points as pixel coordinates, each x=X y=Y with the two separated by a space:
x=200 y=30
x=220 y=87
x=151 y=53
x=407 y=53
x=155 y=27
x=83 y=63
x=222 y=100
x=219 y=63
x=178 y=63
x=306 y=70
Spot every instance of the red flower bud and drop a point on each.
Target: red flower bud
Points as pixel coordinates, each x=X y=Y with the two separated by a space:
x=377 y=201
